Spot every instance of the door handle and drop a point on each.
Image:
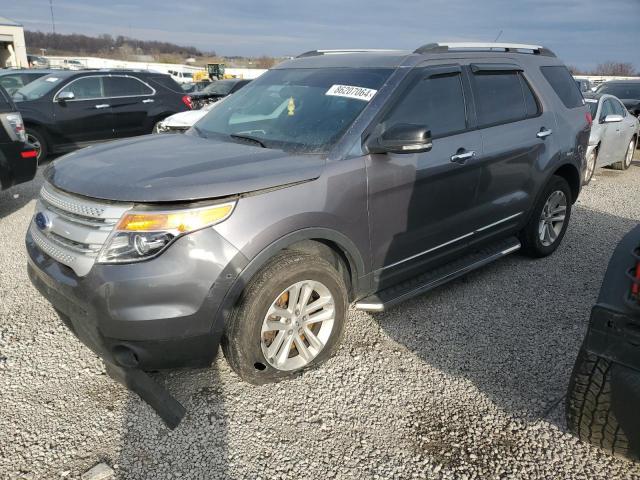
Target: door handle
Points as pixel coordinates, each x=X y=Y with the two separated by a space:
x=543 y=133
x=103 y=105
x=148 y=100
x=462 y=156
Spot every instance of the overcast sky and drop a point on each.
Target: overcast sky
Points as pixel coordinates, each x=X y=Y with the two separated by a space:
x=582 y=32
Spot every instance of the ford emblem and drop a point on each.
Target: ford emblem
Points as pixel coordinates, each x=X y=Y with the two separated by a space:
x=43 y=222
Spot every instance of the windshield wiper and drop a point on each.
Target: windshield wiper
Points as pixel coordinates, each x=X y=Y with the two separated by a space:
x=248 y=137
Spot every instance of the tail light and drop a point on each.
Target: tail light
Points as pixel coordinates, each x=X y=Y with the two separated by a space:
x=589 y=118
x=188 y=102
x=15 y=126
x=29 y=154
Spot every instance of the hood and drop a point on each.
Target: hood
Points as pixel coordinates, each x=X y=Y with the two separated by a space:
x=171 y=168
x=184 y=119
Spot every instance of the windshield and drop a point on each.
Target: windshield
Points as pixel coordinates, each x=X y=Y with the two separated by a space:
x=219 y=88
x=621 y=90
x=38 y=88
x=304 y=110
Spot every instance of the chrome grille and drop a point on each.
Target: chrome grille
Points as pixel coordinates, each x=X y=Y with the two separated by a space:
x=77 y=227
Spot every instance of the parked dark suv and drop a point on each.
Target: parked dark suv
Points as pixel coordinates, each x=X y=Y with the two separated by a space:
x=70 y=109
x=364 y=177
x=18 y=161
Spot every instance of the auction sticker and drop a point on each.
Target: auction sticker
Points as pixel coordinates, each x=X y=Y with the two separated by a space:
x=358 y=93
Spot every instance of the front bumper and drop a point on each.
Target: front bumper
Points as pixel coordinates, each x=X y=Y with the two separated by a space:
x=163 y=313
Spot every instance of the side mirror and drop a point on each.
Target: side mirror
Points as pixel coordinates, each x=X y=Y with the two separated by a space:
x=401 y=138
x=64 y=96
x=612 y=118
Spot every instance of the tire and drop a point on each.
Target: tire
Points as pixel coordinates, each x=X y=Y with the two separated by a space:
x=625 y=163
x=37 y=137
x=589 y=403
x=245 y=342
x=530 y=236
x=592 y=160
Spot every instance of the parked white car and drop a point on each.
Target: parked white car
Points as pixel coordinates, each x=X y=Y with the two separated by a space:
x=183 y=121
x=614 y=134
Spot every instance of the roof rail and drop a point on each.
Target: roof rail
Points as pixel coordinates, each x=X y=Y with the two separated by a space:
x=444 y=47
x=315 y=53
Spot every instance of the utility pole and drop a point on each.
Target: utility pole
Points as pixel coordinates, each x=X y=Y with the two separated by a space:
x=53 y=21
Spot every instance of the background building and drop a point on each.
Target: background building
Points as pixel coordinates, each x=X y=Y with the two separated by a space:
x=13 y=52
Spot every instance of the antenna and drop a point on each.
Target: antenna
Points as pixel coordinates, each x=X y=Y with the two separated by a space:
x=53 y=21
x=499 y=35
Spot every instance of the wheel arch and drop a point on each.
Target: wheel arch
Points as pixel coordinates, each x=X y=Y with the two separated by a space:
x=571 y=174
x=326 y=243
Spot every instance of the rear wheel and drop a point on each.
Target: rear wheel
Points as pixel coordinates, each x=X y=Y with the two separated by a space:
x=589 y=408
x=289 y=318
x=36 y=138
x=625 y=163
x=548 y=222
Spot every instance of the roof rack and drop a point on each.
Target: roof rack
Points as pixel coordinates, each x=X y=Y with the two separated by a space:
x=315 y=53
x=444 y=47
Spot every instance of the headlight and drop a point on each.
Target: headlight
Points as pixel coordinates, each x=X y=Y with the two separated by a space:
x=143 y=234
x=160 y=127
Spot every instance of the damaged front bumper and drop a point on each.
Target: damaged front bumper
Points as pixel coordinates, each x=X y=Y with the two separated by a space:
x=161 y=314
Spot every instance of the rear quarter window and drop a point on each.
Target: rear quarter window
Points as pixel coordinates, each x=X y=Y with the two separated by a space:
x=6 y=105
x=564 y=85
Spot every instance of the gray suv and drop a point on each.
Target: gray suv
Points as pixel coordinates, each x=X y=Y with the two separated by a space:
x=336 y=178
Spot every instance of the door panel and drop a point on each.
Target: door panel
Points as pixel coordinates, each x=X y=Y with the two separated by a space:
x=85 y=118
x=130 y=101
x=510 y=119
x=420 y=204
x=608 y=152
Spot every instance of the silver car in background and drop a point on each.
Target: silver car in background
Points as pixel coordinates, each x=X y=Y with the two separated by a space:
x=614 y=134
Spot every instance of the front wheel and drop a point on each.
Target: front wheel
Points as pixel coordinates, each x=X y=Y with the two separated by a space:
x=37 y=139
x=548 y=222
x=591 y=166
x=289 y=318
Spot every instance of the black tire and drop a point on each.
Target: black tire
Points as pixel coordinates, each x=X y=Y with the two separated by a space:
x=532 y=245
x=242 y=339
x=38 y=135
x=624 y=164
x=592 y=158
x=589 y=410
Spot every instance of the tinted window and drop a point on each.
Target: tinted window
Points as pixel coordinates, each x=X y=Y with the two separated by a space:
x=621 y=90
x=564 y=85
x=86 y=88
x=125 y=87
x=38 y=88
x=503 y=97
x=437 y=103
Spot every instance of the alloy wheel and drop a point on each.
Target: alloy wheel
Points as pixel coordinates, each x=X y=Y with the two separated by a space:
x=629 y=157
x=552 y=218
x=591 y=166
x=36 y=144
x=298 y=325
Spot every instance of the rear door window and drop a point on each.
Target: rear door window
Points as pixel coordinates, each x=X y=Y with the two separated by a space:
x=564 y=85
x=435 y=102
x=503 y=97
x=125 y=87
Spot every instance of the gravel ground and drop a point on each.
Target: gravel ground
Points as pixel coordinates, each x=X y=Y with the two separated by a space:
x=465 y=382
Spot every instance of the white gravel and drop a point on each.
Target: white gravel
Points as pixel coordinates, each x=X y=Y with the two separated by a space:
x=465 y=382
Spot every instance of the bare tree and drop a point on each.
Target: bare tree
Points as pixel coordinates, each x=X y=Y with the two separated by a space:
x=620 y=69
x=265 y=62
x=575 y=70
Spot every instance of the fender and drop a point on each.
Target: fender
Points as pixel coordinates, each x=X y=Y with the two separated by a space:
x=356 y=265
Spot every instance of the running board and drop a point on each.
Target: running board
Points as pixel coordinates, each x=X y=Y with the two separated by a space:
x=413 y=287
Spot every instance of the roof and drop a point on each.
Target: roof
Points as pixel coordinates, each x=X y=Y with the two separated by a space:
x=8 y=22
